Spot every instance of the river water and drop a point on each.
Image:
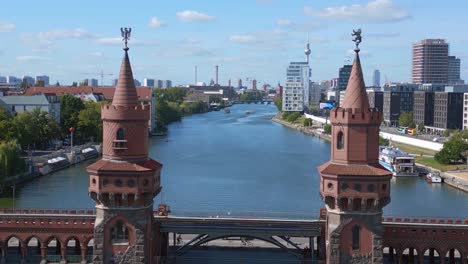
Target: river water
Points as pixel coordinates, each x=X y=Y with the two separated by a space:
x=245 y=164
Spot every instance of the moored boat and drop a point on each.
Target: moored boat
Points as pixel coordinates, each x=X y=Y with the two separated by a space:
x=400 y=163
x=434 y=177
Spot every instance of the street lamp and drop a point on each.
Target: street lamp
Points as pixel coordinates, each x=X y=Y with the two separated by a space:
x=72 y=129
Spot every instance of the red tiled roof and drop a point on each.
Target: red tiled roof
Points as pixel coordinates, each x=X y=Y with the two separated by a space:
x=144 y=93
x=105 y=165
x=353 y=169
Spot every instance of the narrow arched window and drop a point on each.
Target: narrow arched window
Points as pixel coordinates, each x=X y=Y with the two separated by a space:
x=356 y=230
x=120 y=134
x=119 y=233
x=340 y=140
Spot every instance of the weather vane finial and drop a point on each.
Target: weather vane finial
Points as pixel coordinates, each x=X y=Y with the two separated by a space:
x=125 y=35
x=357 y=38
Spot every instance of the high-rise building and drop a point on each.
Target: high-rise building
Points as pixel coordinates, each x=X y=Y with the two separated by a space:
x=315 y=93
x=430 y=61
x=43 y=78
x=216 y=75
x=334 y=84
x=13 y=80
x=423 y=108
x=343 y=77
x=465 y=111
x=166 y=84
x=239 y=83
x=375 y=99
x=395 y=103
x=3 y=79
x=137 y=82
x=148 y=82
x=376 y=78
x=92 y=82
x=254 y=84
x=454 y=70
x=448 y=112
x=28 y=80
x=296 y=92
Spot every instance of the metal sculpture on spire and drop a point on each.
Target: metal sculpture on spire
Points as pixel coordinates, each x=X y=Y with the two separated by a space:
x=357 y=38
x=125 y=35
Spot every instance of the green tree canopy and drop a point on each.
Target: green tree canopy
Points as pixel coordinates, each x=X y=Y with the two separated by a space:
x=452 y=151
x=11 y=162
x=406 y=119
x=279 y=103
x=35 y=128
x=90 y=123
x=70 y=107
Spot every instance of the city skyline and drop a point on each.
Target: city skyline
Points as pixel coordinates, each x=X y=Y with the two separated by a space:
x=257 y=41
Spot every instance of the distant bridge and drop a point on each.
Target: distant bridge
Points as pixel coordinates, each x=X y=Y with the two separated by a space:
x=262 y=101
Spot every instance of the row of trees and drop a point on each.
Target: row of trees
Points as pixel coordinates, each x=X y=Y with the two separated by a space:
x=170 y=107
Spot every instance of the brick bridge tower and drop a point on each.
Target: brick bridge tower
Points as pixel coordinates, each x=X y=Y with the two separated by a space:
x=353 y=185
x=125 y=181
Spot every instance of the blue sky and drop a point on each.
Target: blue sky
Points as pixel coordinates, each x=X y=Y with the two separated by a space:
x=73 y=40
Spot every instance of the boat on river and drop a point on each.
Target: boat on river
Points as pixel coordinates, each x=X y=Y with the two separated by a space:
x=398 y=162
x=248 y=112
x=434 y=177
x=227 y=110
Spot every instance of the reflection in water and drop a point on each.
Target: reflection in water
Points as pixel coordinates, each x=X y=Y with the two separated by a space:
x=239 y=163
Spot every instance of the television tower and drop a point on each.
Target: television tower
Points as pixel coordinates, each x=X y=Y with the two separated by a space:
x=307 y=50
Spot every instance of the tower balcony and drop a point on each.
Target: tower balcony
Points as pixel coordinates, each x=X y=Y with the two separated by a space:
x=119 y=144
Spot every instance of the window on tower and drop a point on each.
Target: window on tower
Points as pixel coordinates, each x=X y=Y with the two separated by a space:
x=356 y=230
x=120 y=233
x=340 y=140
x=120 y=142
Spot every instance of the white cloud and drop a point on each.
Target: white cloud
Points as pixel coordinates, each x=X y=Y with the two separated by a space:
x=375 y=11
x=77 y=33
x=284 y=22
x=31 y=58
x=156 y=23
x=242 y=38
x=7 y=27
x=45 y=41
x=192 y=16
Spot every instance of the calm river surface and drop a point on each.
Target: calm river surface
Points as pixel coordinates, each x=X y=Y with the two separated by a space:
x=240 y=163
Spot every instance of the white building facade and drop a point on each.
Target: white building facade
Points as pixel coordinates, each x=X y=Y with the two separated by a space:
x=296 y=94
x=465 y=111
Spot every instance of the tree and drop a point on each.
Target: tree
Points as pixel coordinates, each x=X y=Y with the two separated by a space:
x=11 y=162
x=89 y=125
x=327 y=129
x=421 y=127
x=452 y=151
x=70 y=107
x=6 y=127
x=406 y=119
x=57 y=84
x=36 y=128
x=279 y=103
x=307 y=122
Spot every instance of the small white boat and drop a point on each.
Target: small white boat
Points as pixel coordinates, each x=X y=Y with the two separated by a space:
x=434 y=177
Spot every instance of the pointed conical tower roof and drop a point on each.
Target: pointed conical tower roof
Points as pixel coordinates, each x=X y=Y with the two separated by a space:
x=356 y=95
x=125 y=93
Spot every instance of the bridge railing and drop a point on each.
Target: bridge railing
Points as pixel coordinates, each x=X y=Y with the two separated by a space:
x=246 y=214
x=47 y=211
x=425 y=220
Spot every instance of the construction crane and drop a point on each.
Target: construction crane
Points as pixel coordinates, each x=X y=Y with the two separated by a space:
x=102 y=74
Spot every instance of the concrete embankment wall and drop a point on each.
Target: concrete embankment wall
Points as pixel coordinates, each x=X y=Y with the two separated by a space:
x=392 y=137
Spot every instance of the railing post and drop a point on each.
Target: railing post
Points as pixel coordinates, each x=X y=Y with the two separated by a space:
x=63 y=254
x=84 y=252
x=24 y=253
x=43 y=254
x=4 y=249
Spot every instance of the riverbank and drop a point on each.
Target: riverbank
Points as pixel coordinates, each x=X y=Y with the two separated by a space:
x=306 y=130
x=39 y=166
